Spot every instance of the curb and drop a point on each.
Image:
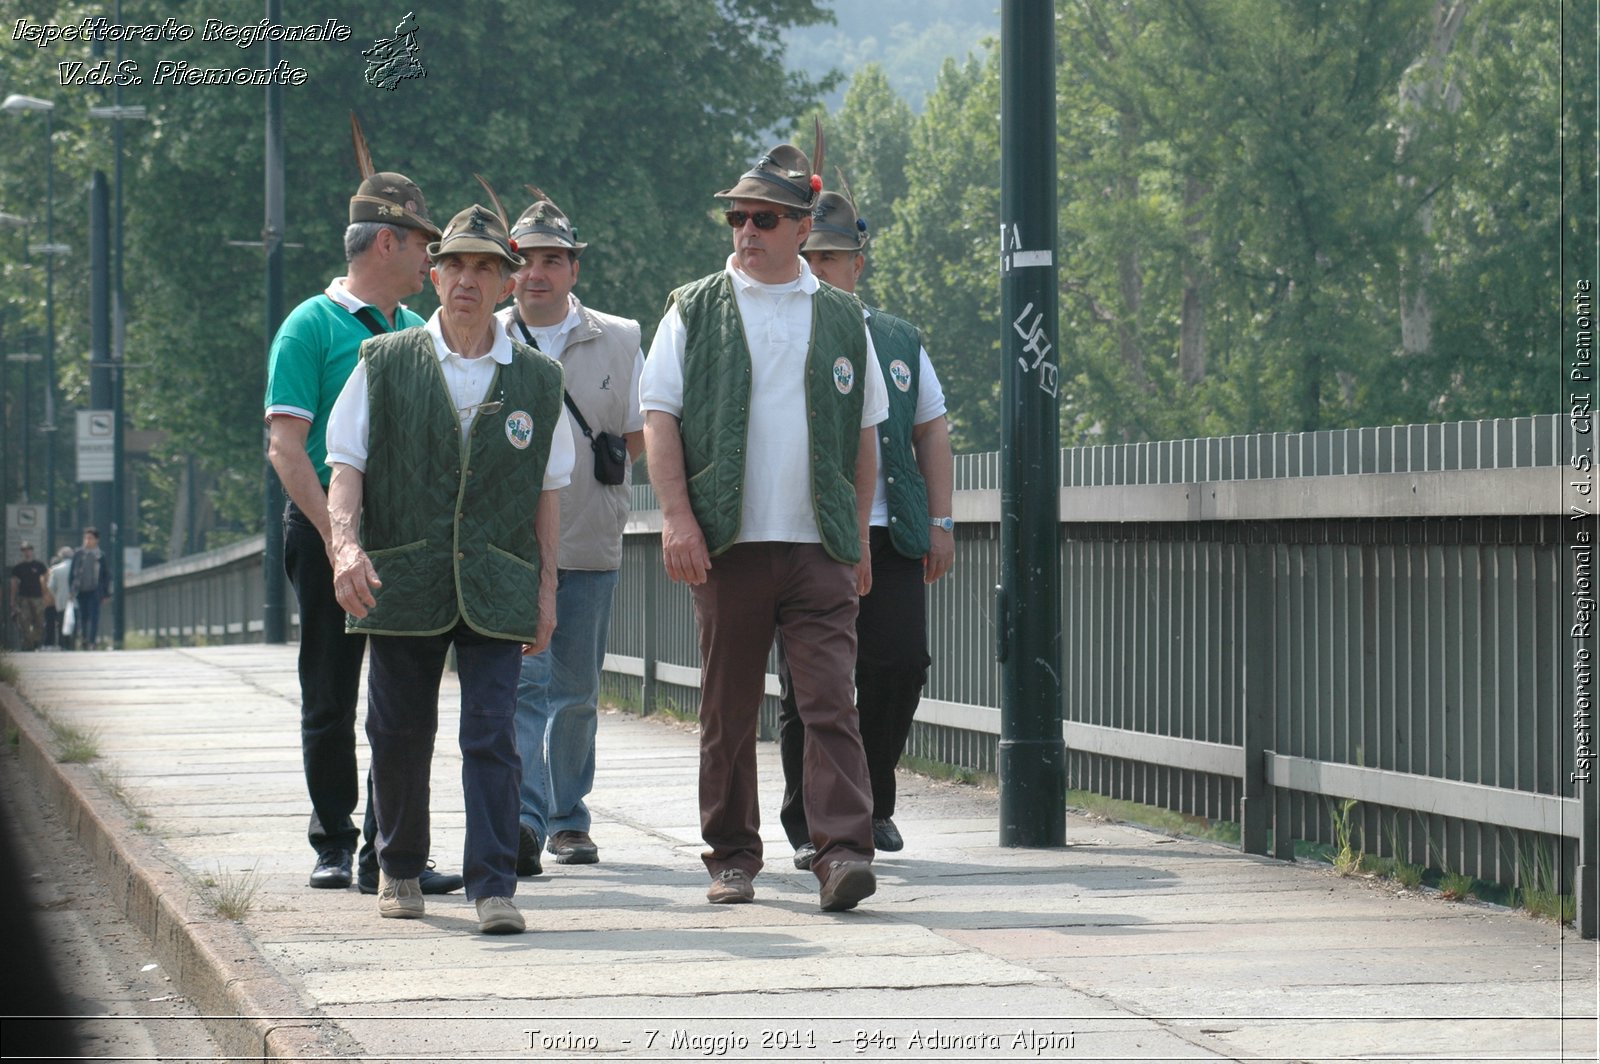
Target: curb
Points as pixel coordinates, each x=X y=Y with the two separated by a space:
x=248 y=1007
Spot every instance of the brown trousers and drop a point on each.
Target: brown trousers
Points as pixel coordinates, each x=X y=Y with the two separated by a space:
x=754 y=591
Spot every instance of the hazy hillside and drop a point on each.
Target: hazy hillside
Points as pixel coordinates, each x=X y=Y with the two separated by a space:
x=909 y=38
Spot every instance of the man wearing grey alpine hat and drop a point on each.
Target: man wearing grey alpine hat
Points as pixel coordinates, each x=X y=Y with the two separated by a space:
x=760 y=396
x=448 y=450
x=913 y=542
x=386 y=247
x=559 y=689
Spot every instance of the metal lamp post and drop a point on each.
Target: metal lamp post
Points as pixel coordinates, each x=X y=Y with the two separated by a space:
x=18 y=103
x=117 y=113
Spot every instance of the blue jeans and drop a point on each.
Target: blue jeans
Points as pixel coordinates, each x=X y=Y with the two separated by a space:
x=556 y=700
x=402 y=718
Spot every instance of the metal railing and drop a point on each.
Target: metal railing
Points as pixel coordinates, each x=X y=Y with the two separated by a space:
x=1259 y=629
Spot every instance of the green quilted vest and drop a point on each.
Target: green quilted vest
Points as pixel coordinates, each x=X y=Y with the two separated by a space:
x=716 y=411
x=900 y=354
x=450 y=527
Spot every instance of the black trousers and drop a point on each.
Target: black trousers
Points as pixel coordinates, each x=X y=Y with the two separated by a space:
x=330 y=678
x=891 y=669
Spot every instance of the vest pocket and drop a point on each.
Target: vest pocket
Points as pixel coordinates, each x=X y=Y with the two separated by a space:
x=500 y=557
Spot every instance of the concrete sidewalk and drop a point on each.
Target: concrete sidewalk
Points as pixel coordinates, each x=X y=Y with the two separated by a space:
x=1126 y=945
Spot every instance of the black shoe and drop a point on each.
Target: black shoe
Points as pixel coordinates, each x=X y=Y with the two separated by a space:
x=332 y=871
x=431 y=881
x=885 y=836
x=803 y=856
x=574 y=847
x=528 y=847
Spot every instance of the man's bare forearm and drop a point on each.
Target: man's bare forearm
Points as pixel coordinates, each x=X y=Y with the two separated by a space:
x=664 y=444
x=286 y=450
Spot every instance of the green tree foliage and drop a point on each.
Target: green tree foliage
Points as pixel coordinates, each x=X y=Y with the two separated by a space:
x=937 y=263
x=869 y=140
x=1273 y=216
x=629 y=113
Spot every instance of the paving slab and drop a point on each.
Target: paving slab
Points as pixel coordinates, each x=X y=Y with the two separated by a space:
x=1124 y=945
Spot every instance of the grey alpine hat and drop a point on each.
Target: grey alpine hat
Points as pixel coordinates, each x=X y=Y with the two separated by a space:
x=544 y=225
x=835 y=226
x=477 y=230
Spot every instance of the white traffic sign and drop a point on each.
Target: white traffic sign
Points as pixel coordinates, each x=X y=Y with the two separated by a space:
x=97 y=456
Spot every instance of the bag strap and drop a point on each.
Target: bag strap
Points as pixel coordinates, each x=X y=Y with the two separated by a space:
x=368 y=317
x=566 y=396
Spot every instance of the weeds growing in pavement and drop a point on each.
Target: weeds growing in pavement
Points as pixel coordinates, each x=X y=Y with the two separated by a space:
x=1347 y=860
x=1537 y=889
x=75 y=745
x=232 y=895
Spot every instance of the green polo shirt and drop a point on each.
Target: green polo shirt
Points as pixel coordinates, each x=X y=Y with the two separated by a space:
x=312 y=356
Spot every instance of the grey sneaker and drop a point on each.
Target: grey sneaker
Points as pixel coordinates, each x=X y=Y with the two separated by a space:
x=498 y=916
x=399 y=899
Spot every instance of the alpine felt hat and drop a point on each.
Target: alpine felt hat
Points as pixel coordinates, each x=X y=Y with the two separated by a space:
x=477 y=230
x=782 y=176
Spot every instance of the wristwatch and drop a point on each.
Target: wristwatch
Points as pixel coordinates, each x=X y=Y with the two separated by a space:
x=946 y=523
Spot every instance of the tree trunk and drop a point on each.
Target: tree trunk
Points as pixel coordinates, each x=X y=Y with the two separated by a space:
x=1424 y=85
x=1192 y=326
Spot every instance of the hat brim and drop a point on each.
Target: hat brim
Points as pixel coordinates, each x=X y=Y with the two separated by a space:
x=750 y=188
x=468 y=244
x=544 y=240
x=374 y=209
x=825 y=240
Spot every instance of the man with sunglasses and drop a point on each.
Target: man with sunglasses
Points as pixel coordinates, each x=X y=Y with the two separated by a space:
x=386 y=245
x=913 y=543
x=760 y=396
x=448 y=450
x=559 y=689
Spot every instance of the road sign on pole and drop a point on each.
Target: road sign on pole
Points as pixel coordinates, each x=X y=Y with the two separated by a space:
x=97 y=455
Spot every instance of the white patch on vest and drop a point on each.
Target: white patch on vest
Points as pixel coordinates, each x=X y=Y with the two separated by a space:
x=519 y=429
x=900 y=373
x=844 y=375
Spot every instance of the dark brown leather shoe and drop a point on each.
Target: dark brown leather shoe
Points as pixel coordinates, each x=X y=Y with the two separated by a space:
x=574 y=847
x=731 y=887
x=847 y=883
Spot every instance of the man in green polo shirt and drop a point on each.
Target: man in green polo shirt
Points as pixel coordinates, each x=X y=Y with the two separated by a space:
x=386 y=246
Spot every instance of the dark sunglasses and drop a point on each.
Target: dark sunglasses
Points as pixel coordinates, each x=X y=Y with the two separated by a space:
x=763 y=219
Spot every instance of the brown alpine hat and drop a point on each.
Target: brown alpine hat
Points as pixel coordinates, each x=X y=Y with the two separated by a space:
x=835 y=226
x=782 y=176
x=544 y=225
x=393 y=198
x=477 y=230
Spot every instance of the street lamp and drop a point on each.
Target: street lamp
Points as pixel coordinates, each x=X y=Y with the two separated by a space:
x=18 y=103
x=27 y=359
x=117 y=114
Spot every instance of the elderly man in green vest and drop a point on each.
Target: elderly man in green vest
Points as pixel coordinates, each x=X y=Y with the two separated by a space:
x=760 y=396
x=449 y=446
x=913 y=543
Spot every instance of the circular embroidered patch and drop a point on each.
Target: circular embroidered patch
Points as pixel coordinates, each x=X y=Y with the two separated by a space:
x=900 y=373
x=519 y=429
x=844 y=375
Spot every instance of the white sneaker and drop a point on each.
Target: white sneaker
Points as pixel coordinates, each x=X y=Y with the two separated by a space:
x=498 y=916
x=399 y=899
